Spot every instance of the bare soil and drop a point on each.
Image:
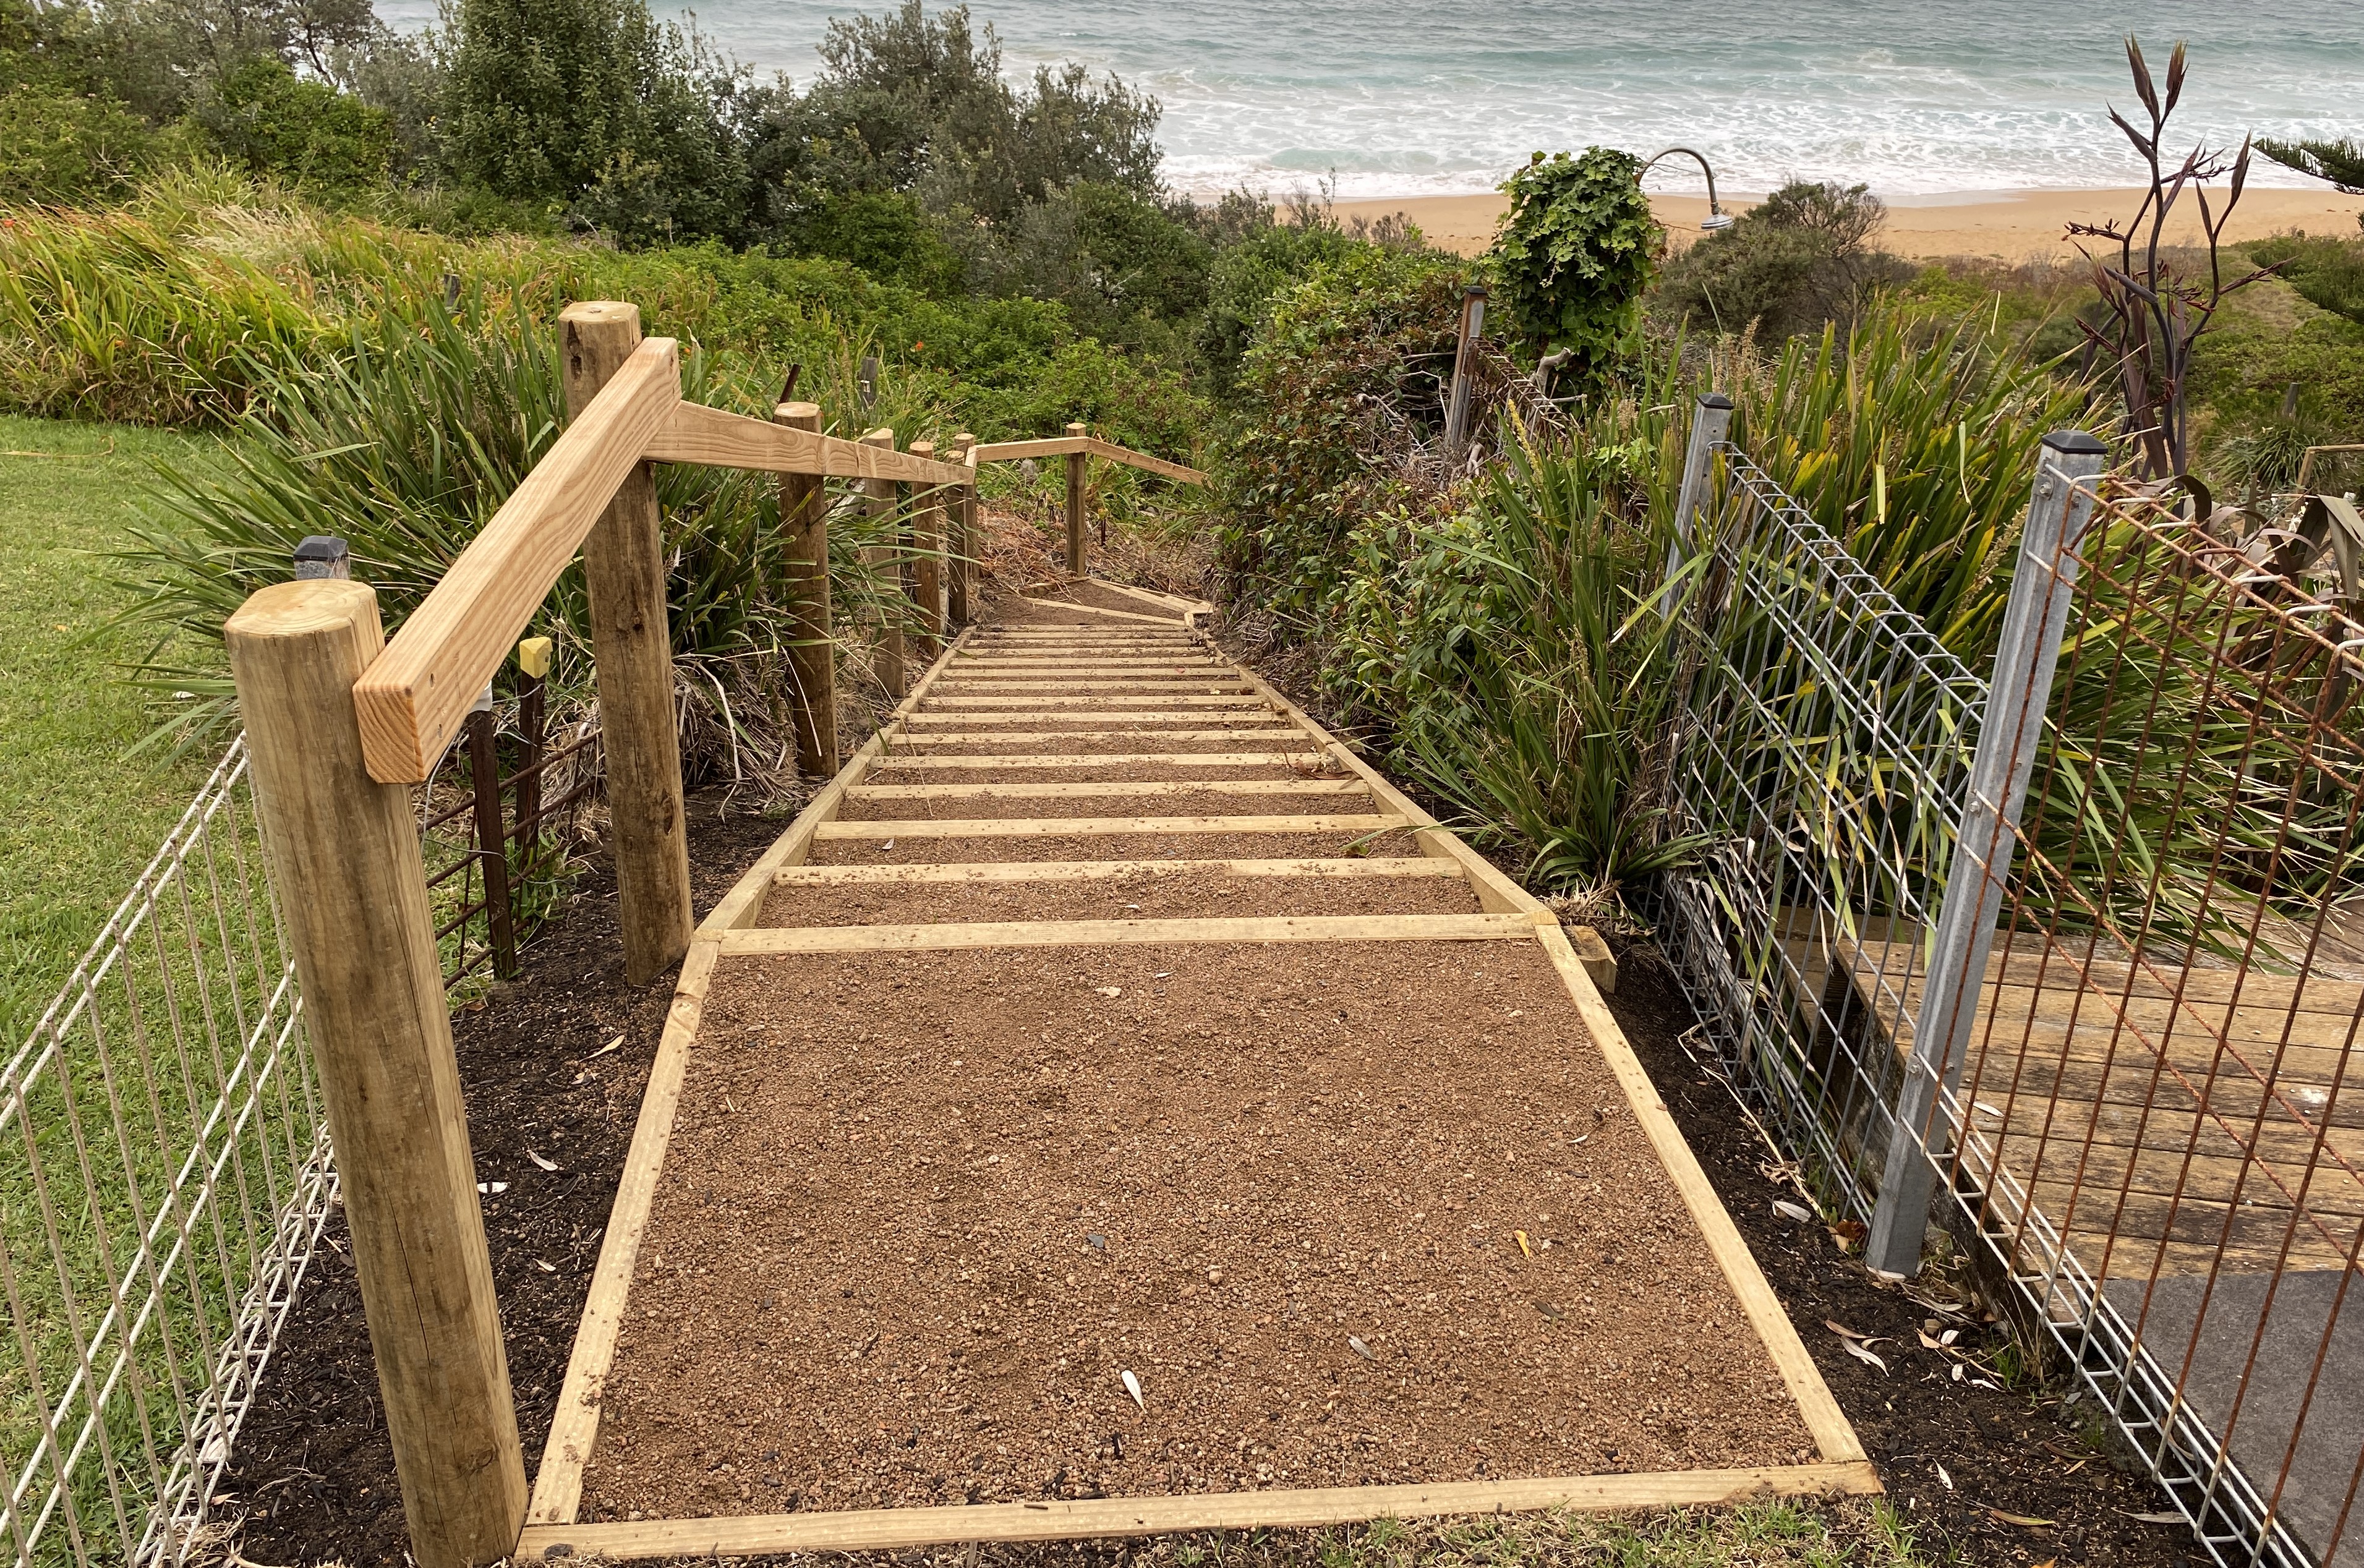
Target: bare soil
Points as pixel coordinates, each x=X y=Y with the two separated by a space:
x=1119 y=772
x=1147 y=896
x=1988 y=1468
x=921 y=1214
x=1211 y=801
x=1114 y=846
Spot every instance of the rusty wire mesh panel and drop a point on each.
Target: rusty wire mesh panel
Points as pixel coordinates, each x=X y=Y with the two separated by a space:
x=165 y=1174
x=2160 y=1125
x=1823 y=752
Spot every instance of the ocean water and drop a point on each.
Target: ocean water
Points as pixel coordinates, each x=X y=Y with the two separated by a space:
x=1412 y=97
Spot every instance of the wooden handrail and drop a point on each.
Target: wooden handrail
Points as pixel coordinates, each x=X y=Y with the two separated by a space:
x=1090 y=446
x=415 y=696
x=721 y=439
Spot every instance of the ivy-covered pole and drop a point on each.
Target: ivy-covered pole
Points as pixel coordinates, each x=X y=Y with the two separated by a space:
x=1574 y=254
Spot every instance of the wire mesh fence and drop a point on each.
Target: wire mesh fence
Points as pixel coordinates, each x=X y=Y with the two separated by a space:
x=2152 y=1127
x=1824 y=752
x=165 y=1177
x=2159 y=1125
x=166 y=1169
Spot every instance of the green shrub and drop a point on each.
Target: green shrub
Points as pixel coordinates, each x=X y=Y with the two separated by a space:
x=2327 y=271
x=1801 y=258
x=592 y=107
x=1363 y=342
x=267 y=120
x=165 y=311
x=57 y=145
x=1574 y=256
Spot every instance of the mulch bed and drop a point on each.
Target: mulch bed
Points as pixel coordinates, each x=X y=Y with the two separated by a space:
x=1360 y=1213
x=313 y=1472
x=2001 y=1474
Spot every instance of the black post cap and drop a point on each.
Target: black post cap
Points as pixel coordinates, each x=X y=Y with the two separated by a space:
x=1715 y=400
x=2076 y=443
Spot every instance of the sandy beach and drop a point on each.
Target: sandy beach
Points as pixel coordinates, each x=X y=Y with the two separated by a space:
x=2010 y=225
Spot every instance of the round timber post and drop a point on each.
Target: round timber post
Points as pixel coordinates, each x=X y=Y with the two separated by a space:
x=812 y=656
x=1076 y=463
x=632 y=649
x=353 y=889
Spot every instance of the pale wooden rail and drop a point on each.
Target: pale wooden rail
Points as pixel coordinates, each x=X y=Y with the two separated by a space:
x=342 y=723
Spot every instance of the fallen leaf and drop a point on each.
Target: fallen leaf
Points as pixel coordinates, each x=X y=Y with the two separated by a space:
x=1927 y=1343
x=1360 y=1349
x=1860 y=1353
x=2166 y=1519
x=1943 y=1476
x=1550 y=1311
x=2023 y=1520
x=1846 y=1233
x=492 y=1188
x=1842 y=1331
x=1132 y=1386
x=607 y=1048
x=545 y=1164
x=1957 y=1371
x=887 y=846
x=1788 y=1210
x=1523 y=1248
x=545 y=1268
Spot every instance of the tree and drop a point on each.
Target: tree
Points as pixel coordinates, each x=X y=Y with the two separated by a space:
x=264 y=118
x=592 y=108
x=1574 y=255
x=2341 y=162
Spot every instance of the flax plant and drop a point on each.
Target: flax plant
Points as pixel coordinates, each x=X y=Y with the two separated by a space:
x=406 y=441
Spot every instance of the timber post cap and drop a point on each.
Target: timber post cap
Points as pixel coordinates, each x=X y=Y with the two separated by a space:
x=1078 y=430
x=302 y=608
x=600 y=313
x=791 y=413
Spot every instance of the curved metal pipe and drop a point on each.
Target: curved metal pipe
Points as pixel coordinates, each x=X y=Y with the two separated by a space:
x=1716 y=217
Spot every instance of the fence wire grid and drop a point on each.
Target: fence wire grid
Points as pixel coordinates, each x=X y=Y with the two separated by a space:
x=2158 y=1133
x=1824 y=752
x=166 y=1179
x=2159 y=1129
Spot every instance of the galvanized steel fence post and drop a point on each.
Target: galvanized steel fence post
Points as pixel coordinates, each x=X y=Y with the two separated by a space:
x=1710 y=425
x=2009 y=737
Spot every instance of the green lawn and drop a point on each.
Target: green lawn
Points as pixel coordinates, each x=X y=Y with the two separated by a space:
x=78 y=815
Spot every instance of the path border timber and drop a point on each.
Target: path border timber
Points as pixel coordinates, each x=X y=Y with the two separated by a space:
x=733 y=930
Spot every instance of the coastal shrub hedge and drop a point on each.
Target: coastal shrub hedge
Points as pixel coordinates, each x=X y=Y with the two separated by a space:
x=171 y=310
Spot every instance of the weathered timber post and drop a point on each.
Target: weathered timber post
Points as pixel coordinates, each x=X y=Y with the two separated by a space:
x=888 y=660
x=632 y=649
x=2009 y=735
x=960 y=583
x=492 y=838
x=1076 y=463
x=1464 y=365
x=812 y=656
x=353 y=889
x=928 y=558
